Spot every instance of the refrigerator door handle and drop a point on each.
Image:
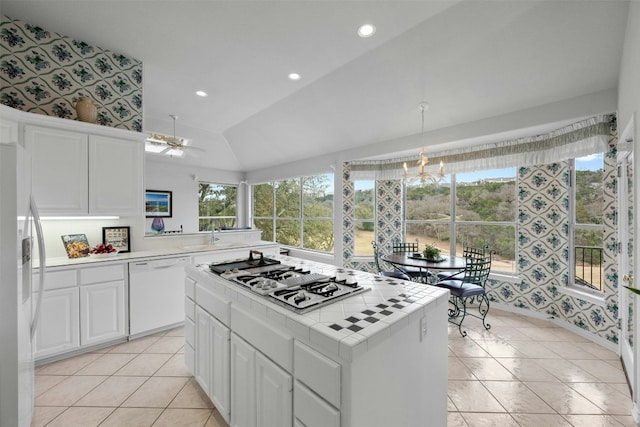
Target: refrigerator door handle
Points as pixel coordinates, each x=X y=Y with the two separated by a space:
x=42 y=259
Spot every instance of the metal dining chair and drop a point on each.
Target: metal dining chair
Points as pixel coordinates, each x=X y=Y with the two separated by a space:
x=467 y=251
x=472 y=286
x=415 y=273
x=396 y=273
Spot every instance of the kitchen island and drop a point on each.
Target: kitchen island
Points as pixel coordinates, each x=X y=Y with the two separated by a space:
x=375 y=358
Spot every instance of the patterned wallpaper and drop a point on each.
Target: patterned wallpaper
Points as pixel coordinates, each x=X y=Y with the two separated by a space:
x=45 y=73
x=543 y=245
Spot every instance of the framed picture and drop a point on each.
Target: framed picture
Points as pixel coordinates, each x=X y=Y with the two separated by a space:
x=158 y=203
x=118 y=237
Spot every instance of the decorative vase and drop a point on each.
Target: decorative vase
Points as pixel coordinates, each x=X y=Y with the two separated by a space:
x=157 y=225
x=86 y=110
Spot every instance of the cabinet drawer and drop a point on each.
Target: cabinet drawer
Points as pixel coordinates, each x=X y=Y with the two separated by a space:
x=190 y=308
x=274 y=344
x=101 y=274
x=214 y=304
x=318 y=372
x=190 y=288
x=311 y=410
x=56 y=279
x=190 y=332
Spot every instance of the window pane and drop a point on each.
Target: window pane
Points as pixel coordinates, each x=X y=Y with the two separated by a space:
x=588 y=258
x=288 y=232
x=317 y=196
x=288 y=198
x=486 y=195
x=429 y=233
x=589 y=191
x=216 y=205
x=266 y=225
x=428 y=202
x=263 y=200
x=364 y=199
x=318 y=235
x=500 y=238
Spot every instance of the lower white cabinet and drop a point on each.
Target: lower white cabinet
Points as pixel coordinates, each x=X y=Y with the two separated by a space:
x=59 y=325
x=212 y=359
x=102 y=315
x=81 y=307
x=261 y=392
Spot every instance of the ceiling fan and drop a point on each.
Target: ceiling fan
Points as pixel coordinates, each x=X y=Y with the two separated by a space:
x=169 y=145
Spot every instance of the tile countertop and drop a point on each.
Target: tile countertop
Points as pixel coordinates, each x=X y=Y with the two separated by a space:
x=347 y=327
x=161 y=252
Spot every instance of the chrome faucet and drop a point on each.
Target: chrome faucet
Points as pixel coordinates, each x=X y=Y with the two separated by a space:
x=213 y=233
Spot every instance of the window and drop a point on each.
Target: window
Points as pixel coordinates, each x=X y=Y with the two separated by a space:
x=472 y=209
x=216 y=205
x=587 y=228
x=364 y=202
x=296 y=212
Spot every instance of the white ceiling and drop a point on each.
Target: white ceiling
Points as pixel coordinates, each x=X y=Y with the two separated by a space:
x=470 y=60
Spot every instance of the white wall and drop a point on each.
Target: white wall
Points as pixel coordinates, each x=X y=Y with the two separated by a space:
x=182 y=180
x=629 y=85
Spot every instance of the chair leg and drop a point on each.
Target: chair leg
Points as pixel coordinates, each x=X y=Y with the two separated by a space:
x=459 y=310
x=482 y=300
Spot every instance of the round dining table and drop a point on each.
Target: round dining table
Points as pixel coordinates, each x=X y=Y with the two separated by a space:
x=408 y=259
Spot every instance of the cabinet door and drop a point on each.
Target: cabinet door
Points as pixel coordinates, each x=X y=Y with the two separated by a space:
x=59 y=167
x=115 y=176
x=203 y=356
x=58 y=328
x=102 y=312
x=274 y=395
x=220 y=367
x=243 y=383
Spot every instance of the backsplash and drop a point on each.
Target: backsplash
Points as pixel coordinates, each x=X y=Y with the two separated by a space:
x=45 y=73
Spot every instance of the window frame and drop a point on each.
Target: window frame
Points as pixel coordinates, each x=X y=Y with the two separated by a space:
x=216 y=218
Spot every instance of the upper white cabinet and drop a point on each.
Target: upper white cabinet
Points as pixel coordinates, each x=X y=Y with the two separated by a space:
x=75 y=173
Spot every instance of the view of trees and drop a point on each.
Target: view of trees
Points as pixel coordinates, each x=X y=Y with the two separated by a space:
x=216 y=205
x=286 y=203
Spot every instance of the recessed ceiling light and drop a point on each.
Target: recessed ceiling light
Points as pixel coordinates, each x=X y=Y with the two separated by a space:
x=294 y=76
x=201 y=93
x=366 y=30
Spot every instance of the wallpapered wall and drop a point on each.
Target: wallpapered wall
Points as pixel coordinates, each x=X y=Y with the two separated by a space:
x=45 y=73
x=542 y=244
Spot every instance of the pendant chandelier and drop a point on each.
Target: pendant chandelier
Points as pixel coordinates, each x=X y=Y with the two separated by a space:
x=423 y=175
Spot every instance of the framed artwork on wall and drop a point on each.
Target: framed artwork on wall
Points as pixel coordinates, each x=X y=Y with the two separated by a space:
x=118 y=237
x=158 y=204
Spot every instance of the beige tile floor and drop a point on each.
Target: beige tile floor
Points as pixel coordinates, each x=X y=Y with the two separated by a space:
x=522 y=372
x=530 y=372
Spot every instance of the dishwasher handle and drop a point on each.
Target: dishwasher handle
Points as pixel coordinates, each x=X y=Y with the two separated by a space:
x=158 y=264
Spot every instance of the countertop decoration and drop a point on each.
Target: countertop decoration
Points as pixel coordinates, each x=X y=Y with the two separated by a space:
x=77 y=245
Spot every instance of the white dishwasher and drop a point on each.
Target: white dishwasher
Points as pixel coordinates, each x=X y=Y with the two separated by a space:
x=156 y=294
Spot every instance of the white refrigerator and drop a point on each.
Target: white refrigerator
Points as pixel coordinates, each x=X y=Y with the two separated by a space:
x=18 y=310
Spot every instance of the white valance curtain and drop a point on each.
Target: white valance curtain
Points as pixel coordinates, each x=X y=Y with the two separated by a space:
x=579 y=139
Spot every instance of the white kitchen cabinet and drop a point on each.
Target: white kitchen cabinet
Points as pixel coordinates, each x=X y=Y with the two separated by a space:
x=59 y=167
x=102 y=315
x=59 y=324
x=261 y=391
x=115 y=176
x=273 y=394
x=75 y=173
x=212 y=360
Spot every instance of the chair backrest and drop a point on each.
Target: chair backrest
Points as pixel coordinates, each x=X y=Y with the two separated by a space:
x=375 y=256
x=477 y=269
x=402 y=247
x=469 y=251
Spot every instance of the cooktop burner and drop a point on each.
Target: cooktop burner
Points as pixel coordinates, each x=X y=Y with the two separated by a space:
x=295 y=288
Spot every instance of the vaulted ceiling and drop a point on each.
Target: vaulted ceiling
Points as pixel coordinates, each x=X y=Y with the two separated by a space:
x=470 y=60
